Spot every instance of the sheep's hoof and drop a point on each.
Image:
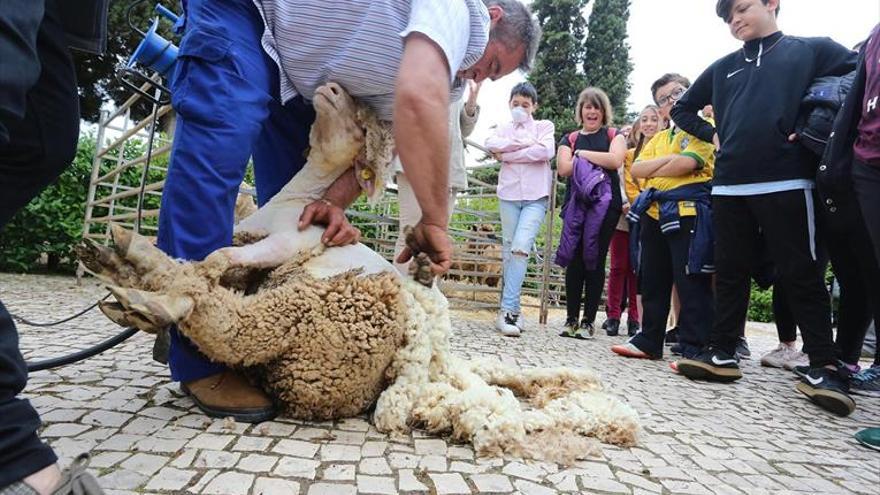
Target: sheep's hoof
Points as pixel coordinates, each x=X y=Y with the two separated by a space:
x=100 y=260
x=126 y=318
x=159 y=309
x=121 y=239
x=420 y=269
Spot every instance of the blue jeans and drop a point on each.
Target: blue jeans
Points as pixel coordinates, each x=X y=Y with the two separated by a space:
x=520 y=222
x=225 y=93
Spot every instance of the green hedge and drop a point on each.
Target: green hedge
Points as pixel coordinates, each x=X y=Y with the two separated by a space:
x=51 y=225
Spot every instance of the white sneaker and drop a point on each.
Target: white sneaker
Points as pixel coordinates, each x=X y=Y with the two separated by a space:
x=506 y=324
x=796 y=358
x=520 y=322
x=777 y=357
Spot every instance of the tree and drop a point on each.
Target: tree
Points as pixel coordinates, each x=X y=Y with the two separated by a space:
x=96 y=74
x=606 y=53
x=556 y=75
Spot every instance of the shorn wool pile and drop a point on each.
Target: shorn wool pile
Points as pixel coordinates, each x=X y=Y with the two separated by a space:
x=335 y=332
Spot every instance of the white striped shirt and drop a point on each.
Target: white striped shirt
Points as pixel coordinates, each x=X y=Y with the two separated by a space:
x=359 y=43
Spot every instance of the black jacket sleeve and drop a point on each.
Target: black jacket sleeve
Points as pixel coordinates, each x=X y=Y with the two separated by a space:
x=685 y=112
x=832 y=58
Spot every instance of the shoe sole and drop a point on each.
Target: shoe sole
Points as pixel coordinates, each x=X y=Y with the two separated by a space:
x=240 y=416
x=630 y=354
x=866 y=444
x=835 y=402
x=768 y=364
x=698 y=370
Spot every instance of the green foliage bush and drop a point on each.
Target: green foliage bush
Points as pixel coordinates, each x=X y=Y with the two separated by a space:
x=51 y=225
x=761 y=304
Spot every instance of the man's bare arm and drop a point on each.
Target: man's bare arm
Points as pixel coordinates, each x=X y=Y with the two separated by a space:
x=421 y=116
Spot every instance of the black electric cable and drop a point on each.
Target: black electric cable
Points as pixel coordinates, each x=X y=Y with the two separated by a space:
x=83 y=354
x=30 y=323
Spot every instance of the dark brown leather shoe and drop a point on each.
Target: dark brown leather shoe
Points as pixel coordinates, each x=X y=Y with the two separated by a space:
x=230 y=394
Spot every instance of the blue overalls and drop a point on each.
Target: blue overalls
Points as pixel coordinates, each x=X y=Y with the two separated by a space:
x=225 y=92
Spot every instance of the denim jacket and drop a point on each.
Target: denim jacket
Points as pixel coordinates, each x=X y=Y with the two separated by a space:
x=701 y=256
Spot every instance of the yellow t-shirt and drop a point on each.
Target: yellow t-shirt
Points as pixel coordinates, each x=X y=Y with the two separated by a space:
x=674 y=141
x=632 y=186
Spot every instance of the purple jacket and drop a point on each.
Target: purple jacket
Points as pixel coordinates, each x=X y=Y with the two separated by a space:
x=582 y=215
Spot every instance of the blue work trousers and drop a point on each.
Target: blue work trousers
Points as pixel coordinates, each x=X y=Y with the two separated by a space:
x=225 y=92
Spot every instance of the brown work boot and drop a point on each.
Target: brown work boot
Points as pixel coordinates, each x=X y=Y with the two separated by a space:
x=230 y=394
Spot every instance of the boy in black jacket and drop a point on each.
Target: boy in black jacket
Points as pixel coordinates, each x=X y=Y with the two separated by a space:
x=764 y=183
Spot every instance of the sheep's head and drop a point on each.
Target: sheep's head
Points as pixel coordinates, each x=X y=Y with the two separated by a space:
x=346 y=132
x=337 y=136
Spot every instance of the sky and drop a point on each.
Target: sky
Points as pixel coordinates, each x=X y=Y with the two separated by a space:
x=662 y=35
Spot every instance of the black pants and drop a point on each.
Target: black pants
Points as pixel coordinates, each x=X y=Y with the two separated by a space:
x=866 y=181
x=786 y=328
x=664 y=261
x=582 y=285
x=787 y=222
x=39 y=124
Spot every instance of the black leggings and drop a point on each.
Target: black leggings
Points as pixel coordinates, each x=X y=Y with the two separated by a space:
x=582 y=285
x=39 y=124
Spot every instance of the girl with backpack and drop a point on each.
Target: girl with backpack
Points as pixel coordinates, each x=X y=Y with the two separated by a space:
x=599 y=145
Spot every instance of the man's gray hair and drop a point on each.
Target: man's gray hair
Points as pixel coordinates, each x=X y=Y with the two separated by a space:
x=517 y=27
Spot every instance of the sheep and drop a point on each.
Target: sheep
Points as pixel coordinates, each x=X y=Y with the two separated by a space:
x=480 y=255
x=336 y=332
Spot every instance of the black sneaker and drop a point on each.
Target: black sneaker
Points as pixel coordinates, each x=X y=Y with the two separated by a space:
x=742 y=349
x=632 y=327
x=570 y=330
x=672 y=336
x=828 y=390
x=611 y=327
x=712 y=364
x=801 y=371
x=675 y=349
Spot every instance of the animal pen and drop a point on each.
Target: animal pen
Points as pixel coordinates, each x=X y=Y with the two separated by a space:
x=130 y=165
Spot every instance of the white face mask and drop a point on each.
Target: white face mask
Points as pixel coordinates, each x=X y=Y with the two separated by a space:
x=519 y=115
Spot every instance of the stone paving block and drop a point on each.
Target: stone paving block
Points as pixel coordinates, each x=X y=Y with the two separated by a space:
x=145 y=463
x=685 y=487
x=374 y=466
x=216 y=459
x=460 y=452
x=592 y=485
x=434 y=463
x=403 y=461
x=122 y=479
x=467 y=467
x=296 y=468
x=374 y=449
x=448 y=484
x=106 y=418
x=275 y=486
x=203 y=481
x=296 y=448
x=520 y=470
x=170 y=479
x=185 y=458
x=339 y=472
x=307 y=433
x=144 y=426
x=256 y=463
x=430 y=447
x=530 y=488
x=409 y=483
x=639 y=482
x=63 y=415
x=491 y=483
x=249 y=444
x=122 y=442
x=353 y=424
x=376 y=484
x=567 y=484
x=349 y=437
x=63 y=430
x=339 y=452
x=210 y=441
x=164 y=445
x=274 y=429
x=176 y=433
x=332 y=489
x=230 y=483
x=107 y=459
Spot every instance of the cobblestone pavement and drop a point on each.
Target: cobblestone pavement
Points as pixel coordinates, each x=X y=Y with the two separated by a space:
x=756 y=436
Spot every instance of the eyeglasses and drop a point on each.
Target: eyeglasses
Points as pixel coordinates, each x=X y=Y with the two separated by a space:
x=671 y=98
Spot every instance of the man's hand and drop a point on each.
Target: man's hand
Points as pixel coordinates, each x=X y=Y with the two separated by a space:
x=431 y=240
x=716 y=142
x=338 y=231
x=471 y=103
